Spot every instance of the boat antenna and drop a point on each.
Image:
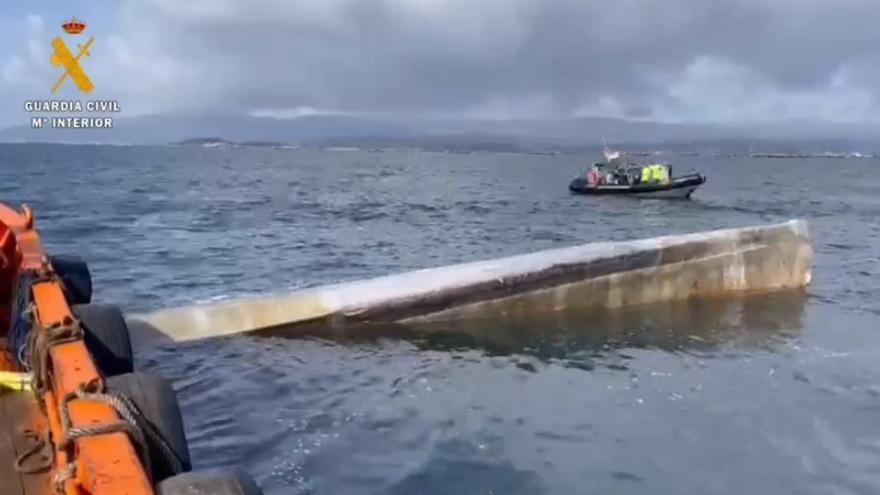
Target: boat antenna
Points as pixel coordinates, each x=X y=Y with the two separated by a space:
x=609 y=155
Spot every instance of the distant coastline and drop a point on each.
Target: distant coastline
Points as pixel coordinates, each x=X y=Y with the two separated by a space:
x=644 y=151
x=216 y=142
x=451 y=145
x=581 y=135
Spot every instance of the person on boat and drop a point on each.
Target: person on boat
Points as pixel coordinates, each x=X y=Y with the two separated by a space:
x=657 y=173
x=661 y=174
x=634 y=174
x=611 y=177
x=646 y=174
x=594 y=176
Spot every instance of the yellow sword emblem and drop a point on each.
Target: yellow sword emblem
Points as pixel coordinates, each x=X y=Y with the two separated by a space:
x=63 y=57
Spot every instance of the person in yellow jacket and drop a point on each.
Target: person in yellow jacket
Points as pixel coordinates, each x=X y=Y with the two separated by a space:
x=655 y=173
x=658 y=173
x=646 y=174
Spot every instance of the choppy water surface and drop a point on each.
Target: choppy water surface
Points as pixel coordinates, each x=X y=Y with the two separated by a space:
x=777 y=394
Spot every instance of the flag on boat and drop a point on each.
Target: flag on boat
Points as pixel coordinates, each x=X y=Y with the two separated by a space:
x=609 y=155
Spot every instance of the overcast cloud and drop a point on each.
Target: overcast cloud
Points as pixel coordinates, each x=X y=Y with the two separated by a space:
x=670 y=60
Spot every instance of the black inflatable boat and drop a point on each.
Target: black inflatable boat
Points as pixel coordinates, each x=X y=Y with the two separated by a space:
x=679 y=187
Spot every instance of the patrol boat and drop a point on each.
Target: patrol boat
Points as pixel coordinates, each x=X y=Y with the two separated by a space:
x=670 y=187
x=647 y=181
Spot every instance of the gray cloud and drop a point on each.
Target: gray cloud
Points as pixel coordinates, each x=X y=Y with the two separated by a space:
x=675 y=60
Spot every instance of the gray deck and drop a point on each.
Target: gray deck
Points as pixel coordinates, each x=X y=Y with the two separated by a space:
x=17 y=411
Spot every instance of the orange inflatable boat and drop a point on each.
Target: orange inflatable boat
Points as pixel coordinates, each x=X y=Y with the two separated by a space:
x=75 y=417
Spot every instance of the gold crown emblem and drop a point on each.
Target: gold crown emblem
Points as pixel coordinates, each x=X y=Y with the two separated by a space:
x=73 y=26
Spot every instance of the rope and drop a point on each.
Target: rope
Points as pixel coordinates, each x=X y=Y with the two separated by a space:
x=44 y=466
x=40 y=340
x=70 y=434
x=31 y=344
x=16 y=340
x=133 y=423
x=35 y=348
x=64 y=474
x=128 y=410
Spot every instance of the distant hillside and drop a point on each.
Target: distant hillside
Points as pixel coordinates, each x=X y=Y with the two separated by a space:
x=203 y=141
x=461 y=134
x=208 y=142
x=164 y=129
x=262 y=144
x=458 y=142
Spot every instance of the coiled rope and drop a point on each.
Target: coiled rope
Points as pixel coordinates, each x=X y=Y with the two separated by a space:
x=141 y=431
x=91 y=392
x=42 y=444
x=143 y=434
x=40 y=341
x=16 y=340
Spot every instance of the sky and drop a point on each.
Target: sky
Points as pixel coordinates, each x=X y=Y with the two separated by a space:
x=668 y=61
